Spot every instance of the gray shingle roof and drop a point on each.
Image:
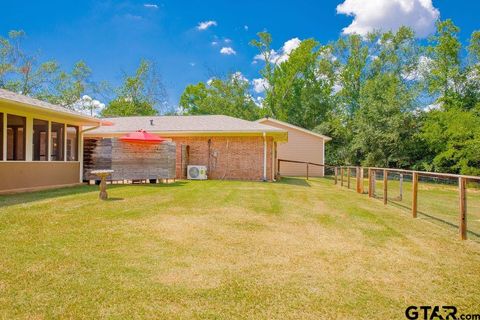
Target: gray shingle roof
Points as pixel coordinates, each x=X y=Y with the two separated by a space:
x=173 y=124
x=26 y=100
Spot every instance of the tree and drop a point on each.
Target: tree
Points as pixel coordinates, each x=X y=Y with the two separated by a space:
x=300 y=82
x=7 y=56
x=140 y=94
x=452 y=130
x=445 y=70
x=229 y=96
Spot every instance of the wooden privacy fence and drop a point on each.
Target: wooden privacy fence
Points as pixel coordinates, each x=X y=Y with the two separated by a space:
x=343 y=174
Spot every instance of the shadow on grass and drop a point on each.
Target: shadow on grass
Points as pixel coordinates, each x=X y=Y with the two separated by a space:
x=155 y=185
x=433 y=218
x=26 y=197
x=294 y=181
x=114 y=199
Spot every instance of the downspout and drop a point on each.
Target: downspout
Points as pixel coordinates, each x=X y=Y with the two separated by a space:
x=264 y=156
x=323 y=157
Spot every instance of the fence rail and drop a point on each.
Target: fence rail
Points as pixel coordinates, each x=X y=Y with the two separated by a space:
x=343 y=174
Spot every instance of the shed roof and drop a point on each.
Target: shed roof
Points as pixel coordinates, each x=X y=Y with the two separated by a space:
x=29 y=102
x=184 y=124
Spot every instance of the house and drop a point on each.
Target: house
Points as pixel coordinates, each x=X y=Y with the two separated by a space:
x=40 y=143
x=231 y=148
x=303 y=145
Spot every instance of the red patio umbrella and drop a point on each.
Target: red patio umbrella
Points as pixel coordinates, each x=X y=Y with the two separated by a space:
x=141 y=136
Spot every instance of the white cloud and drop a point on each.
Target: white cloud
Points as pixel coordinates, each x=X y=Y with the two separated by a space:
x=283 y=54
x=423 y=67
x=433 y=106
x=259 y=101
x=239 y=76
x=245 y=27
x=214 y=43
x=227 y=40
x=150 y=6
x=260 y=85
x=206 y=24
x=385 y=15
x=192 y=64
x=228 y=51
x=88 y=105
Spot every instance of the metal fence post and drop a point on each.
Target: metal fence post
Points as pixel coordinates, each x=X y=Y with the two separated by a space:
x=348 y=177
x=385 y=183
x=374 y=182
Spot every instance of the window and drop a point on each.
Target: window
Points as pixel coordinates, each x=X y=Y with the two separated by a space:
x=1 y=136
x=57 y=141
x=15 y=137
x=40 y=140
x=72 y=143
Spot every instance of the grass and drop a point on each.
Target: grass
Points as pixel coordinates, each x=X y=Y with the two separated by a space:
x=226 y=250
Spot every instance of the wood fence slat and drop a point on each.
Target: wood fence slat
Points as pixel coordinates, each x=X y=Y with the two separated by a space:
x=341 y=176
x=414 y=194
x=361 y=180
x=357 y=174
x=462 y=188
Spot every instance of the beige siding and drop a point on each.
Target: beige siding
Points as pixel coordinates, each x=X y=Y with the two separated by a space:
x=301 y=146
x=25 y=176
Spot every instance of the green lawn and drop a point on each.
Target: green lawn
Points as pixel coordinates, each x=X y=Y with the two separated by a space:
x=223 y=250
x=439 y=202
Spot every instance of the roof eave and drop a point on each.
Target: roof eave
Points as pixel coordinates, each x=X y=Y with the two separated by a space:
x=324 y=137
x=83 y=119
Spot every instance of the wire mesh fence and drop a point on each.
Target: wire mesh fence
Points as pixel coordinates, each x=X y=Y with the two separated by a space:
x=448 y=199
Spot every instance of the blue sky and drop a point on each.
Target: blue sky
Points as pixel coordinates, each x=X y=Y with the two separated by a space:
x=112 y=36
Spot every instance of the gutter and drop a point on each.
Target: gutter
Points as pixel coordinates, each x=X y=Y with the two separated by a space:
x=92 y=128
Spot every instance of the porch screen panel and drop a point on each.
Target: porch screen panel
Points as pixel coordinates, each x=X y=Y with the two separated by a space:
x=1 y=136
x=57 y=141
x=40 y=140
x=72 y=143
x=16 y=126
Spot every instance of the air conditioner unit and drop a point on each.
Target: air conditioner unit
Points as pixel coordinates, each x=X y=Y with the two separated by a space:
x=197 y=172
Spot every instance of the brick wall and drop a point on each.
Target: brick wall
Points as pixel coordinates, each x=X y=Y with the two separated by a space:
x=230 y=157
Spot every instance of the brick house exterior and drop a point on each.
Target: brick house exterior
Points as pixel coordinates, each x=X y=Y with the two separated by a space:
x=231 y=158
x=231 y=148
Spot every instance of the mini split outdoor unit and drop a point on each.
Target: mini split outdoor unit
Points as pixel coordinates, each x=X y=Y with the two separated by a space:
x=197 y=172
